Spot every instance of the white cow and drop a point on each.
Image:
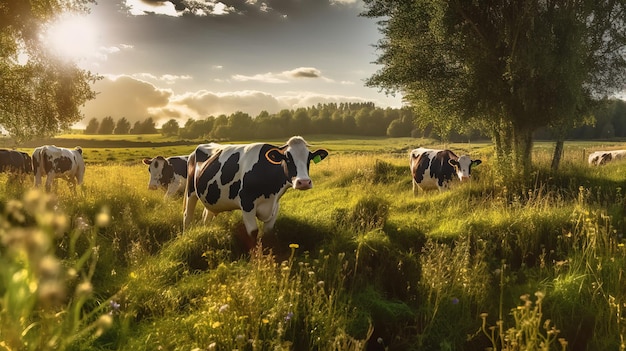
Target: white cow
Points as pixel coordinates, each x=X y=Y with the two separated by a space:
x=432 y=168
x=169 y=173
x=249 y=177
x=58 y=162
x=599 y=158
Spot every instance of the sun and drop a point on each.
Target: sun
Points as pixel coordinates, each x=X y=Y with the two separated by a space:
x=72 y=37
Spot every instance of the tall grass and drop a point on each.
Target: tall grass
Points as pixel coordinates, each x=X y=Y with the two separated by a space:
x=359 y=262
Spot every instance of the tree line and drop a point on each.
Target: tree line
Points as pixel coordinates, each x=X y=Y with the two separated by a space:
x=607 y=120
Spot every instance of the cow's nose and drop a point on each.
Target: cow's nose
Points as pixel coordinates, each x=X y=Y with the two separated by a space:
x=303 y=184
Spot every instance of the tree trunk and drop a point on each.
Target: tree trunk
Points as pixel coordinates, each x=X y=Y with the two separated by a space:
x=558 y=153
x=522 y=152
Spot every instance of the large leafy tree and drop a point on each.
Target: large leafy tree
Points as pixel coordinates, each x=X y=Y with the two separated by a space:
x=507 y=67
x=42 y=94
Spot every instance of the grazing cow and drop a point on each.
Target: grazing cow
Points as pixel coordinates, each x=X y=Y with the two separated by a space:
x=12 y=161
x=168 y=173
x=58 y=162
x=437 y=168
x=599 y=158
x=250 y=177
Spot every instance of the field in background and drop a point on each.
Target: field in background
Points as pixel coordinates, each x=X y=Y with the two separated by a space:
x=380 y=267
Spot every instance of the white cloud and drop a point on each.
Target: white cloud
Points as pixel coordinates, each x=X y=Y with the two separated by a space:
x=283 y=77
x=138 y=8
x=136 y=99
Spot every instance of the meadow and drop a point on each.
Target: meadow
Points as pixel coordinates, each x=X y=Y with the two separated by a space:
x=359 y=262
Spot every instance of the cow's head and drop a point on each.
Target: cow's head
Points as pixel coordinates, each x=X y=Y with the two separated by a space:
x=463 y=166
x=296 y=158
x=161 y=172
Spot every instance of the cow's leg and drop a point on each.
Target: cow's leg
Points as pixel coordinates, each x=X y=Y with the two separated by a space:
x=172 y=189
x=189 y=208
x=207 y=216
x=268 y=224
x=49 y=179
x=249 y=221
x=415 y=190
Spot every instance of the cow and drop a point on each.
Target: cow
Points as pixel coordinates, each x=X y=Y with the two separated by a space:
x=248 y=177
x=17 y=162
x=58 y=162
x=432 y=169
x=168 y=173
x=599 y=158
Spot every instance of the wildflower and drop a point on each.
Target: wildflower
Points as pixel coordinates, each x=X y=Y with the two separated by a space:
x=103 y=218
x=380 y=340
x=288 y=316
x=224 y=308
x=84 y=289
x=212 y=346
x=115 y=307
x=320 y=284
x=216 y=325
x=294 y=246
x=455 y=300
x=265 y=321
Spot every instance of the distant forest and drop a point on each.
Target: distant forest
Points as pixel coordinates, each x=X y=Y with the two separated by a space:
x=360 y=119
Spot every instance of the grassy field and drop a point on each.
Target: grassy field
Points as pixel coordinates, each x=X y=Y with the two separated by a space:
x=359 y=263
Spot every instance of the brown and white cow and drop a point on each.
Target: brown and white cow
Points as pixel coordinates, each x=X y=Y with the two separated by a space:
x=58 y=162
x=18 y=162
x=599 y=158
x=432 y=168
x=249 y=177
x=168 y=173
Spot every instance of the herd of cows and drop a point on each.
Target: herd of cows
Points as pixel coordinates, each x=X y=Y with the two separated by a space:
x=249 y=177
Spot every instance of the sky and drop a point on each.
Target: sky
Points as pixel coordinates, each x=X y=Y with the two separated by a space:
x=186 y=59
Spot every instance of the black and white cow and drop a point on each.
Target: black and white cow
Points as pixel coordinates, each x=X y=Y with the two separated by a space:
x=17 y=162
x=58 y=162
x=437 y=168
x=599 y=158
x=168 y=173
x=249 y=177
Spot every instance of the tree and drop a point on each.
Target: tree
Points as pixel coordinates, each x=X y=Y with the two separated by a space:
x=92 y=126
x=106 y=126
x=122 y=126
x=170 y=128
x=508 y=67
x=42 y=96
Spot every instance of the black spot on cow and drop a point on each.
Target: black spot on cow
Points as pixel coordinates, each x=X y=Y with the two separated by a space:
x=264 y=179
x=15 y=161
x=179 y=166
x=422 y=165
x=62 y=164
x=441 y=168
x=230 y=168
x=213 y=194
x=234 y=189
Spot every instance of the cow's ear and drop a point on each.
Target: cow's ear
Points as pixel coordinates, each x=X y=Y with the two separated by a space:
x=453 y=162
x=275 y=156
x=147 y=161
x=318 y=155
x=476 y=162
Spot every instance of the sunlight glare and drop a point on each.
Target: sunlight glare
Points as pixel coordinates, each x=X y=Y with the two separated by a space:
x=72 y=37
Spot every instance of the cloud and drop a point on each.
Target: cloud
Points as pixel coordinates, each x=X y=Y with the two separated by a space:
x=137 y=99
x=125 y=96
x=282 y=77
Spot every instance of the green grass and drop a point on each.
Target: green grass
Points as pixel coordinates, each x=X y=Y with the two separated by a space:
x=357 y=260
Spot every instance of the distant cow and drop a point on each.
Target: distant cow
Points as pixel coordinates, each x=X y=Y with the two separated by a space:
x=250 y=177
x=437 y=168
x=168 y=173
x=12 y=161
x=58 y=162
x=599 y=158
